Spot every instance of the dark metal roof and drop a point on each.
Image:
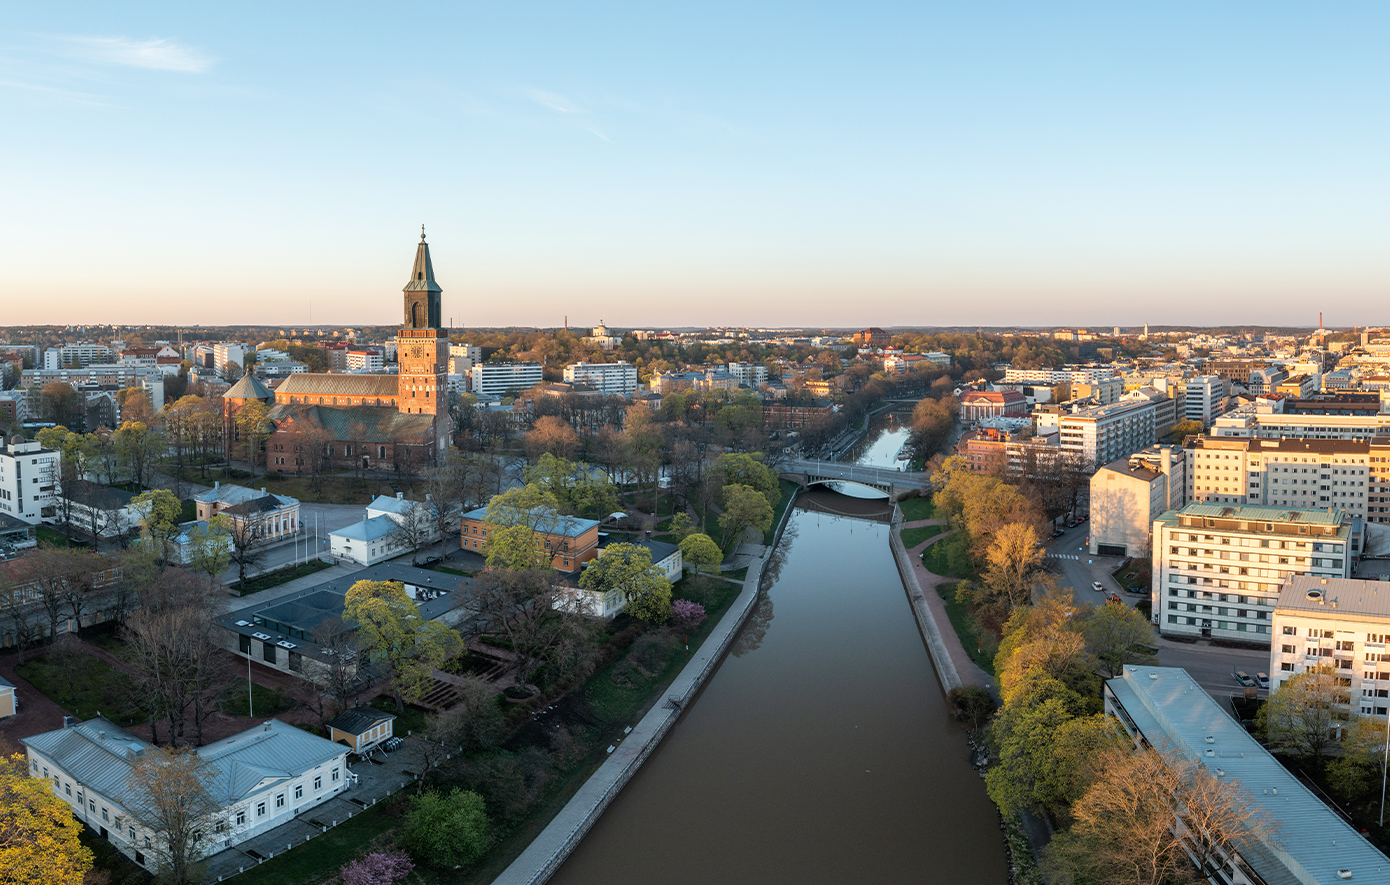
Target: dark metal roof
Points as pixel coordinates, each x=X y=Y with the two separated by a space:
x=359 y=720
x=360 y=424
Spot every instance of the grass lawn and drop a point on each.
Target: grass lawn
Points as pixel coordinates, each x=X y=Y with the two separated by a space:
x=46 y=535
x=971 y=634
x=321 y=858
x=412 y=720
x=949 y=558
x=736 y=574
x=789 y=490
x=282 y=576
x=918 y=508
x=913 y=537
x=333 y=489
x=84 y=685
x=268 y=701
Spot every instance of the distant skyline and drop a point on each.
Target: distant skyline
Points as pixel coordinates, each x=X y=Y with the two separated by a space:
x=772 y=165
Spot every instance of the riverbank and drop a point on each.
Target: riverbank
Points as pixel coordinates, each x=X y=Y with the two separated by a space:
x=554 y=844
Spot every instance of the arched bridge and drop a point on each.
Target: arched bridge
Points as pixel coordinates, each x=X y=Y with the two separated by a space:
x=885 y=479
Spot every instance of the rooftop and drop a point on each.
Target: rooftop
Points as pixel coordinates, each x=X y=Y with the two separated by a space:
x=1260 y=513
x=1335 y=597
x=1311 y=843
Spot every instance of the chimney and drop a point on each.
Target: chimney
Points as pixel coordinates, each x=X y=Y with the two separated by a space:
x=262 y=490
x=400 y=496
x=69 y=722
x=217 y=484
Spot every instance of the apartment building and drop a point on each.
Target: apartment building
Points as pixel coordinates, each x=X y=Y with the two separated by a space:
x=364 y=360
x=463 y=357
x=1342 y=417
x=1129 y=494
x=752 y=375
x=1350 y=475
x=1204 y=398
x=1102 y=433
x=1218 y=570
x=1165 y=408
x=225 y=355
x=1298 y=386
x=28 y=482
x=501 y=379
x=1265 y=380
x=1067 y=375
x=1342 y=622
x=75 y=354
x=618 y=378
x=1103 y=390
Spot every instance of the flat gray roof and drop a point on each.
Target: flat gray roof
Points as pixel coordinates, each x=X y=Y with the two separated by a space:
x=1336 y=597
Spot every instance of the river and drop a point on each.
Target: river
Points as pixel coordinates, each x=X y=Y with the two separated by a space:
x=819 y=752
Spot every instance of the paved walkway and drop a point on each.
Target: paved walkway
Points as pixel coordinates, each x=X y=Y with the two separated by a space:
x=271 y=594
x=968 y=672
x=553 y=845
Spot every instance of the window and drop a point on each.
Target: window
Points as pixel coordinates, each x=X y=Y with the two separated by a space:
x=318 y=782
x=280 y=800
x=241 y=817
x=68 y=788
x=260 y=809
x=335 y=775
x=104 y=815
x=268 y=652
x=299 y=791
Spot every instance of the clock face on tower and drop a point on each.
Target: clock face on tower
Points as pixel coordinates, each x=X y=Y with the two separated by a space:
x=417 y=352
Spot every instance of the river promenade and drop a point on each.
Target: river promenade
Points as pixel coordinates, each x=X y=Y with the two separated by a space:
x=554 y=844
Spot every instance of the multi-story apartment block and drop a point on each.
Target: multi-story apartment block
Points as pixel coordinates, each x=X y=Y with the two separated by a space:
x=501 y=379
x=103 y=374
x=752 y=375
x=1103 y=433
x=1344 y=416
x=364 y=360
x=1165 y=408
x=1298 y=386
x=618 y=378
x=28 y=482
x=226 y=355
x=1217 y=570
x=463 y=357
x=1265 y=380
x=1129 y=494
x=1341 y=622
x=1351 y=475
x=1068 y=375
x=1103 y=390
x=1205 y=398
x=69 y=355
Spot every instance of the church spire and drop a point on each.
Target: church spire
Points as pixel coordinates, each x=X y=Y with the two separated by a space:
x=422 y=301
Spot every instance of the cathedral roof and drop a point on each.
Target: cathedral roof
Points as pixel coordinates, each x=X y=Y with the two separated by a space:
x=358 y=424
x=422 y=274
x=249 y=387
x=316 y=384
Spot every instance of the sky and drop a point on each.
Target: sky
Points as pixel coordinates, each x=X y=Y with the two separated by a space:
x=715 y=163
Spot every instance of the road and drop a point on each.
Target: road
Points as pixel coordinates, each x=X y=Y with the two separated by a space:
x=1210 y=665
x=328 y=517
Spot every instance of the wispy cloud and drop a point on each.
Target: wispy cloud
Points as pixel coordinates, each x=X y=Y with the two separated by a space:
x=561 y=105
x=155 y=53
x=55 y=92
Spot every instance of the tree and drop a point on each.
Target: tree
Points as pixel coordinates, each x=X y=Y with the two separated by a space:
x=529 y=611
x=39 y=836
x=16 y=603
x=138 y=446
x=58 y=403
x=1183 y=429
x=62 y=581
x=445 y=485
x=733 y=469
x=377 y=868
x=1117 y=635
x=1303 y=714
x=334 y=679
x=160 y=513
x=448 y=831
x=1011 y=565
x=390 y=629
x=699 y=551
x=680 y=526
x=413 y=529
x=250 y=539
x=515 y=548
x=253 y=427
x=170 y=793
x=552 y=436
x=744 y=508
x=310 y=441
x=627 y=570
x=210 y=547
x=686 y=615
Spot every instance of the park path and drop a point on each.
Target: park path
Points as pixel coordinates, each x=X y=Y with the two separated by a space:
x=970 y=673
x=919 y=523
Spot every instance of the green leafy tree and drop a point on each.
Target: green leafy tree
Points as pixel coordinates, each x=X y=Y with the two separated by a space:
x=1117 y=635
x=446 y=830
x=159 y=513
x=1304 y=713
x=210 y=546
x=681 y=526
x=1011 y=566
x=736 y=469
x=699 y=551
x=253 y=427
x=744 y=508
x=515 y=548
x=627 y=570
x=390 y=629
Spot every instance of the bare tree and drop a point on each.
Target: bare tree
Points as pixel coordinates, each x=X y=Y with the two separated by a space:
x=335 y=678
x=171 y=795
x=444 y=486
x=520 y=605
x=413 y=529
x=16 y=606
x=250 y=539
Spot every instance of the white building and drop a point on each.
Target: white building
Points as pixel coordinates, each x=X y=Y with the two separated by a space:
x=1205 y=398
x=602 y=339
x=500 y=379
x=463 y=357
x=1267 y=419
x=1217 y=571
x=378 y=536
x=753 y=375
x=618 y=378
x=28 y=482
x=82 y=354
x=1129 y=494
x=1310 y=473
x=1165 y=709
x=1103 y=433
x=666 y=557
x=225 y=355
x=1341 y=622
x=1068 y=375
x=264 y=777
x=364 y=361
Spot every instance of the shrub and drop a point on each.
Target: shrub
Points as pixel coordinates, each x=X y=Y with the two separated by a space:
x=970 y=704
x=446 y=830
x=377 y=868
x=652 y=652
x=686 y=616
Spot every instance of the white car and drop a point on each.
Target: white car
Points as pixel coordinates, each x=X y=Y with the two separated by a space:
x=1095 y=585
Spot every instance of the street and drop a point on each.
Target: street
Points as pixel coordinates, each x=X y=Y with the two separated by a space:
x=327 y=517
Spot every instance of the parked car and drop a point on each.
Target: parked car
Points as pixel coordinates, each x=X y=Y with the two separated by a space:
x=1262 y=680
x=1243 y=678
x=1097 y=586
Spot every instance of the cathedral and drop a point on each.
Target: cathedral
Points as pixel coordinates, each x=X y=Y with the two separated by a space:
x=375 y=422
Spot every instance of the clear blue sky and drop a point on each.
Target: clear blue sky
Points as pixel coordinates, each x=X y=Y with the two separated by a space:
x=657 y=164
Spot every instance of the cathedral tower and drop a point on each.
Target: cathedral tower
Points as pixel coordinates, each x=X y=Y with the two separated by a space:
x=422 y=348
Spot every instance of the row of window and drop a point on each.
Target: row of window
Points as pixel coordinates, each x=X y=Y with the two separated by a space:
x=1238 y=626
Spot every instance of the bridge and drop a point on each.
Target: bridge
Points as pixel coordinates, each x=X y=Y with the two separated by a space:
x=886 y=479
